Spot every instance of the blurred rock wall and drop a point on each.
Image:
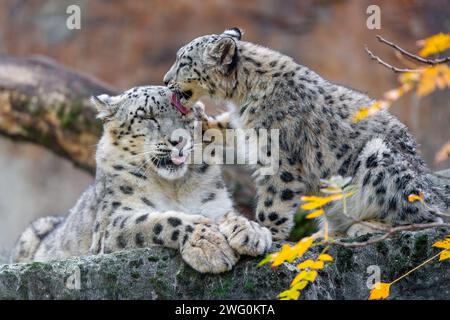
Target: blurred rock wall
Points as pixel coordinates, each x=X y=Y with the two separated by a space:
x=129 y=43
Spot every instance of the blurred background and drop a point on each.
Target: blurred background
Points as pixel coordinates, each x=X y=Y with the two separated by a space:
x=129 y=43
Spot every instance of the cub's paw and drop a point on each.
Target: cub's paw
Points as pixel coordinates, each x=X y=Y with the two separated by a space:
x=245 y=236
x=206 y=250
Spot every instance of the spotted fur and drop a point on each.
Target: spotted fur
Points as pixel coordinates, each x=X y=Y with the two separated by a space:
x=318 y=138
x=140 y=197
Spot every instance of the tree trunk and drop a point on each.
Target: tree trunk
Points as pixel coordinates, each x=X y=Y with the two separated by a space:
x=48 y=104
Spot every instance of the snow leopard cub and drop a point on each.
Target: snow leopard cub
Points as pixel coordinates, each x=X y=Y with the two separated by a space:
x=318 y=138
x=147 y=193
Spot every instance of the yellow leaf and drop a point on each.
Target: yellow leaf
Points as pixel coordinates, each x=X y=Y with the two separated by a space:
x=364 y=112
x=444 y=244
x=380 y=291
x=314 y=202
x=435 y=44
x=289 y=295
x=444 y=255
x=409 y=78
x=266 y=259
x=300 y=285
x=309 y=275
x=415 y=197
x=286 y=254
x=432 y=77
x=311 y=264
x=443 y=153
x=325 y=257
x=315 y=214
x=302 y=246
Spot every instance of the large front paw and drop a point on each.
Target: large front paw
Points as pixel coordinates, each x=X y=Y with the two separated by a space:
x=245 y=236
x=206 y=250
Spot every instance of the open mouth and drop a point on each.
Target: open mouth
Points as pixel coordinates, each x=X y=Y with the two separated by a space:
x=171 y=162
x=177 y=96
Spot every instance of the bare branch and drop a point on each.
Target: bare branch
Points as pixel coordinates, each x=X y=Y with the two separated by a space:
x=389 y=233
x=411 y=55
x=387 y=65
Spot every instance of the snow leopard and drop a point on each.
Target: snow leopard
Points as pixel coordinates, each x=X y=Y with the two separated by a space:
x=319 y=138
x=147 y=192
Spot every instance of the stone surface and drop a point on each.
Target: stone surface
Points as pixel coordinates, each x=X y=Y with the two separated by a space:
x=158 y=273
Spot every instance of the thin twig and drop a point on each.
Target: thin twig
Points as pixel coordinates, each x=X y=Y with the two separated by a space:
x=388 y=234
x=387 y=65
x=411 y=55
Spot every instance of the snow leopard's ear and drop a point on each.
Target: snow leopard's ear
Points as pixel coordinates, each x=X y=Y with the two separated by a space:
x=234 y=32
x=106 y=106
x=223 y=53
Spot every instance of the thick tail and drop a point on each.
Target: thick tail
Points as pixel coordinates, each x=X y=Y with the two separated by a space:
x=31 y=238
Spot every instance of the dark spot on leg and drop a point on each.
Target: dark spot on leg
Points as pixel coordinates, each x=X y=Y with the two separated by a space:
x=273 y=216
x=158 y=241
x=126 y=189
x=157 y=228
x=261 y=216
x=287 y=194
x=121 y=242
x=139 y=239
x=142 y=218
x=147 y=202
x=175 y=235
x=174 y=222
x=286 y=176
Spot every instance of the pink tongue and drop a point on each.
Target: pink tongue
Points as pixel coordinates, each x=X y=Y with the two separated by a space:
x=179 y=159
x=176 y=102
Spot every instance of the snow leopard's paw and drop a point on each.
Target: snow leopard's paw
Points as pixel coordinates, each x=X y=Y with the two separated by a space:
x=245 y=236
x=206 y=250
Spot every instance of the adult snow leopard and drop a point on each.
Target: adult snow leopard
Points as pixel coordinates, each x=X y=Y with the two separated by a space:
x=318 y=138
x=145 y=193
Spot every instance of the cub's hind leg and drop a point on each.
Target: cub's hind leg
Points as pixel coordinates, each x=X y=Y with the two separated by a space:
x=385 y=178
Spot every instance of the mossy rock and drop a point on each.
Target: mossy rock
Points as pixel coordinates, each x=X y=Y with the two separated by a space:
x=158 y=273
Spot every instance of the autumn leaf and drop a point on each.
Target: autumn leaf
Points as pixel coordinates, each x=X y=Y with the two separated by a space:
x=289 y=295
x=432 y=78
x=286 y=254
x=415 y=197
x=434 y=44
x=365 y=112
x=380 y=291
x=268 y=258
x=309 y=275
x=311 y=264
x=314 y=202
x=409 y=78
x=325 y=257
x=444 y=255
x=443 y=153
x=315 y=214
x=302 y=246
x=443 y=244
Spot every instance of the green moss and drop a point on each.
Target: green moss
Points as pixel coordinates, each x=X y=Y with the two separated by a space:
x=420 y=247
x=224 y=288
x=382 y=248
x=303 y=227
x=249 y=285
x=153 y=259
